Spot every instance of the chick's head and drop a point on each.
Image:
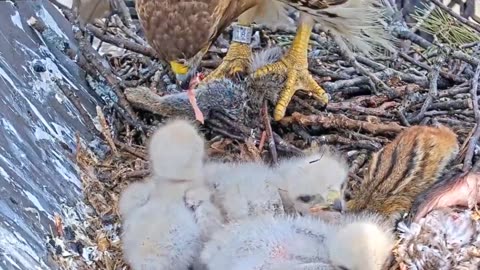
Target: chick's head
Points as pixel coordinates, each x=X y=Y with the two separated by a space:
x=176 y=151
x=363 y=243
x=314 y=182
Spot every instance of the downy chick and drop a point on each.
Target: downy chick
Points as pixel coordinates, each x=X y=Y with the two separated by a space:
x=404 y=168
x=250 y=189
x=159 y=230
x=314 y=182
x=359 y=242
x=243 y=190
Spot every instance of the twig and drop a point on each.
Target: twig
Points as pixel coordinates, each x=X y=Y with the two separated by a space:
x=135 y=174
x=474 y=26
x=268 y=129
x=94 y=58
x=358 y=163
x=132 y=150
x=433 y=91
x=350 y=106
x=337 y=139
x=449 y=105
x=285 y=146
x=444 y=74
x=129 y=32
x=121 y=42
x=125 y=14
x=373 y=80
x=261 y=144
x=341 y=122
x=404 y=33
x=106 y=130
x=382 y=75
x=467 y=164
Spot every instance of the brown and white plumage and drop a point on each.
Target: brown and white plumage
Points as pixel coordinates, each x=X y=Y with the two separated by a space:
x=181 y=32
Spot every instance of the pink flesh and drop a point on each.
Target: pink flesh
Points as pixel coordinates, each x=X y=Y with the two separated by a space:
x=193 y=101
x=460 y=193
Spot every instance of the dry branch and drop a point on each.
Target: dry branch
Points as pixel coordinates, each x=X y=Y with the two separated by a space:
x=341 y=122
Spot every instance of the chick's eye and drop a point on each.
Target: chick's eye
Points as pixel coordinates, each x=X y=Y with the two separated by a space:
x=342 y=268
x=305 y=198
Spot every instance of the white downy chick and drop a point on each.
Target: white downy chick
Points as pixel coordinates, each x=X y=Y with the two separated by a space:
x=268 y=242
x=159 y=230
x=361 y=242
x=314 y=182
x=243 y=190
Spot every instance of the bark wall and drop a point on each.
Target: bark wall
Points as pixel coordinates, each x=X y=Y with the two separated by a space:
x=38 y=122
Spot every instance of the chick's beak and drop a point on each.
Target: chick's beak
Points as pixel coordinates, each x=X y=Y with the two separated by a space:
x=333 y=202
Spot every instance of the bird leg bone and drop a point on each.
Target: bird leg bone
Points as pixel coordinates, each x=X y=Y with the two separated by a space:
x=295 y=65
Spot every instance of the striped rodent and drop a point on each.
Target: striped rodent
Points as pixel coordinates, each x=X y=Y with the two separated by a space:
x=402 y=169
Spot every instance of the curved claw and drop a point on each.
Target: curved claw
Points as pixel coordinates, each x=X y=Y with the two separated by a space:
x=298 y=78
x=295 y=65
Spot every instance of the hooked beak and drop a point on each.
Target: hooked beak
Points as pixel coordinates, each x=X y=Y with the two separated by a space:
x=333 y=202
x=183 y=74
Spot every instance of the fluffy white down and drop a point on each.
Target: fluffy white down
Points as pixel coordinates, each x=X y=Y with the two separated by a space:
x=159 y=230
x=161 y=235
x=362 y=244
x=267 y=243
x=315 y=174
x=243 y=190
x=134 y=196
x=176 y=151
x=359 y=242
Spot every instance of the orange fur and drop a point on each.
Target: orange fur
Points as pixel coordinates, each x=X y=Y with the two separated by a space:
x=409 y=164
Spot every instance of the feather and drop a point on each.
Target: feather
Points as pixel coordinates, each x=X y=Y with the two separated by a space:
x=354 y=24
x=273 y=14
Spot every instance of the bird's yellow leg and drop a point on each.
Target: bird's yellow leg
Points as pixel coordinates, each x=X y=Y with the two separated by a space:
x=238 y=55
x=235 y=62
x=295 y=65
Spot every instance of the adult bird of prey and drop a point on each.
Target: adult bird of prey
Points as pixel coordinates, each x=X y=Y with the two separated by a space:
x=182 y=31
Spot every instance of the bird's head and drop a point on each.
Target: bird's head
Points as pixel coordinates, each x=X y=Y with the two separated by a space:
x=362 y=242
x=183 y=73
x=176 y=151
x=315 y=182
x=186 y=71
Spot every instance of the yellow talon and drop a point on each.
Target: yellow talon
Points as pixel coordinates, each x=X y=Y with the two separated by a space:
x=236 y=61
x=295 y=65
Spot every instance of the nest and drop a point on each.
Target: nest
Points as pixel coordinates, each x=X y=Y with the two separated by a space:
x=424 y=84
